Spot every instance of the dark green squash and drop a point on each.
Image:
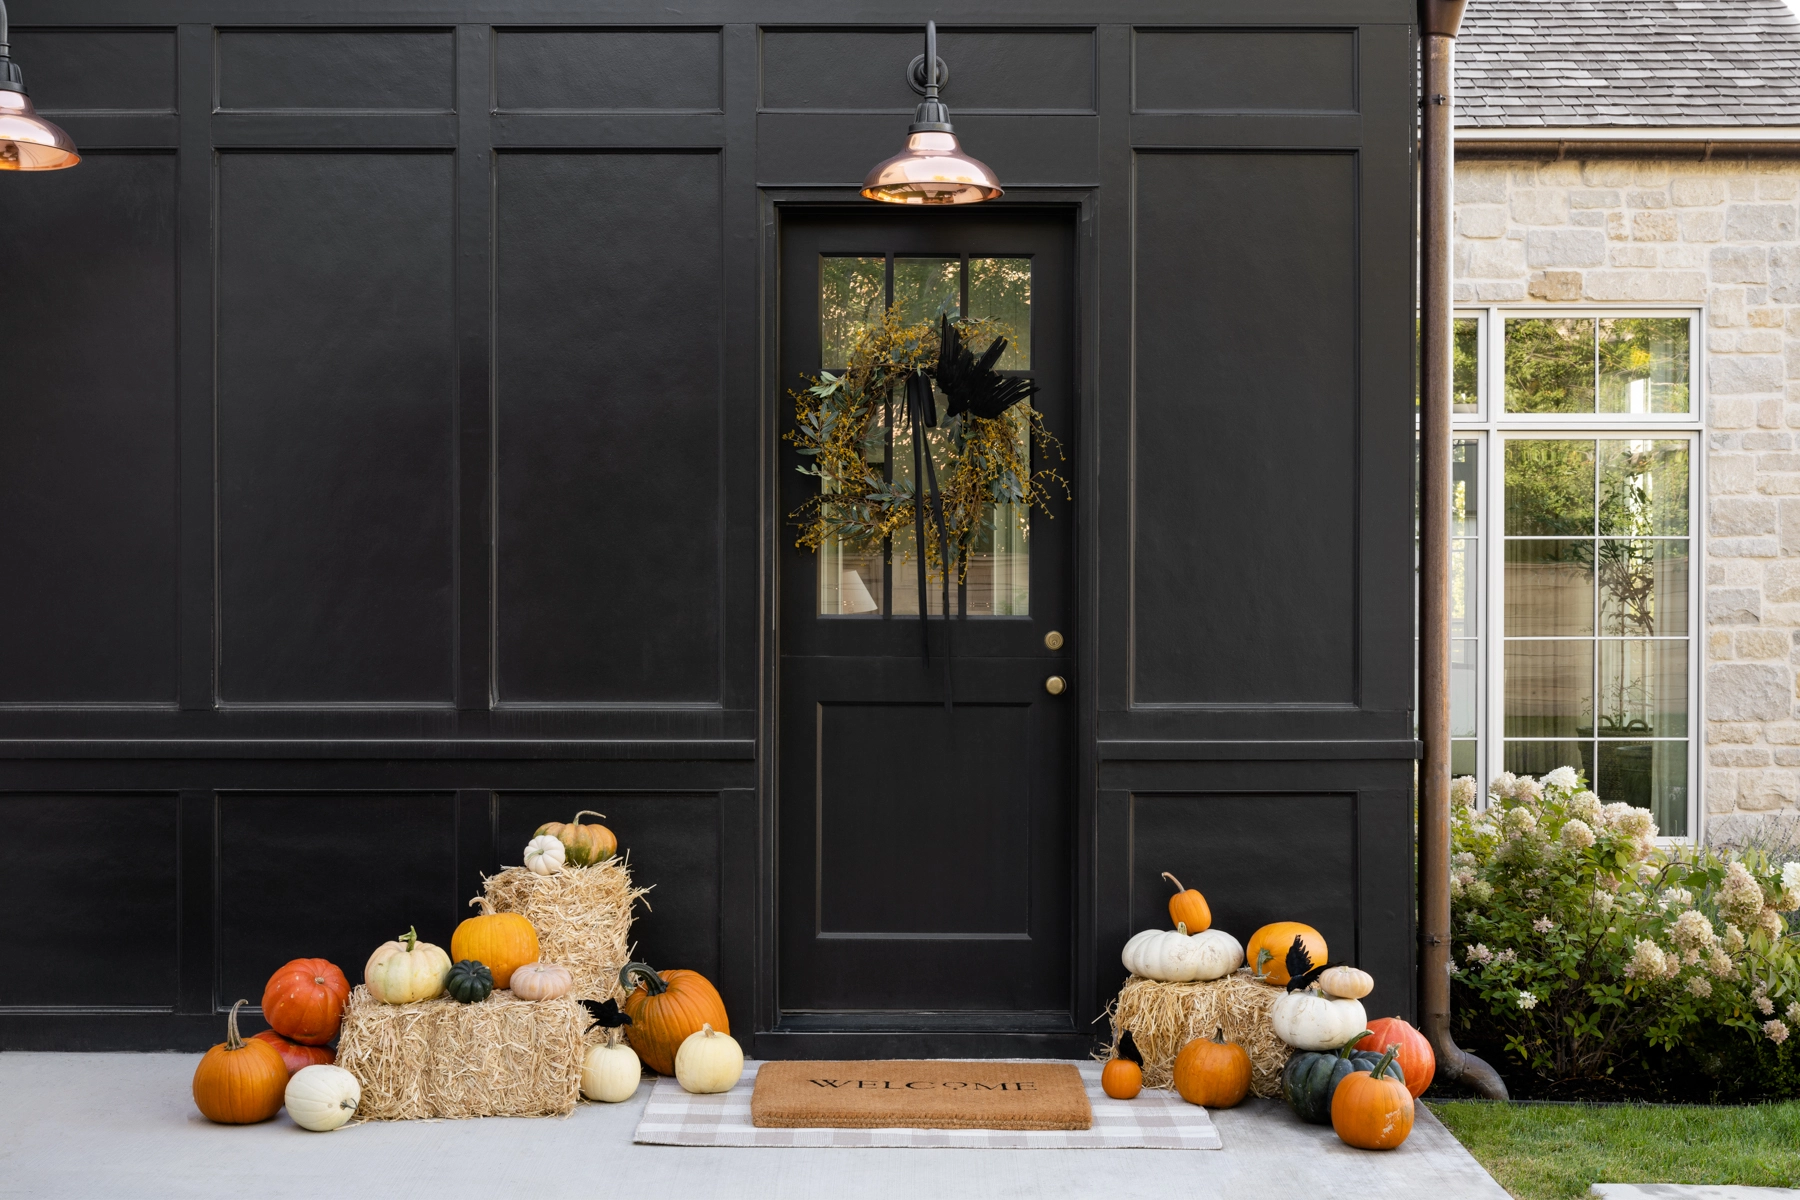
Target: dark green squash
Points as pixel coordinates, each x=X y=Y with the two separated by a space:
x=470 y=982
x=1310 y=1077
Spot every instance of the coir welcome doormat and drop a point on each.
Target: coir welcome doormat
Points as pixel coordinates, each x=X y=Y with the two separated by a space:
x=919 y=1094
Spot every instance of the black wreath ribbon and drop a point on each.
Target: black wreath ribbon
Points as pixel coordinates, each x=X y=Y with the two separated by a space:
x=921 y=413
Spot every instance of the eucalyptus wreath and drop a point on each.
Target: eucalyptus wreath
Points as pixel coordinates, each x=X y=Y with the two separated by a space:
x=841 y=430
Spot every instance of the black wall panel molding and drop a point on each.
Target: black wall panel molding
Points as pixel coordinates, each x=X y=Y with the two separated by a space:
x=1249 y=70
x=311 y=69
x=608 y=70
x=92 y=71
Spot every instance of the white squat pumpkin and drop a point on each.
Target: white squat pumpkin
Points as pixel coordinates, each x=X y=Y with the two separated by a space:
x=1346 y=983
x=545 y=855
x=321 y=1097
x=708 y=1061
x=406 y=970
x=610 y=1073
x=1307 y=1020
x=540 y=981
x=1176 y=956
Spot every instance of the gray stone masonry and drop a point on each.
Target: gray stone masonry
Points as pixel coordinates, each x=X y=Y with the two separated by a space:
x=1719 y=235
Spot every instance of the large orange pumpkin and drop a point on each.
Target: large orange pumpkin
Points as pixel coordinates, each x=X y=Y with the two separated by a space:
x=305 y=999
x=501 y=942
x=1372 y=1110
x=296 y=1055
x=665 y=1009
x=240 y=1082
x=1188 y=907
x=1276 y=939
x=1418 y=1063
x=584 y=845
x=1213 y=1072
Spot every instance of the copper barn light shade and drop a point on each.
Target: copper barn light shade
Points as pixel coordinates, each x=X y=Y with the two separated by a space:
x=27 y=141
x=933 y=168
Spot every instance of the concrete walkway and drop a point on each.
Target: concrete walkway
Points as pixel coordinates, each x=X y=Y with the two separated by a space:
x=114 y=1126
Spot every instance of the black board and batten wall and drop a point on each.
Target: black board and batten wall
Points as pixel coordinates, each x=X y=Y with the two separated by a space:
x=390 y=461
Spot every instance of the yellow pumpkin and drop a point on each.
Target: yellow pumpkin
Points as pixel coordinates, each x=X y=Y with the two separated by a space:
x=586 y=845
x=406 y=970
x=502 y=942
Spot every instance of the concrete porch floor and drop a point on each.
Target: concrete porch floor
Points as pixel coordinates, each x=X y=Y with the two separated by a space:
x=124 y=1125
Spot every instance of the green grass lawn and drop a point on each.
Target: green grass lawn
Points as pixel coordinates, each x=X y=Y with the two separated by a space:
x=1548 y=1152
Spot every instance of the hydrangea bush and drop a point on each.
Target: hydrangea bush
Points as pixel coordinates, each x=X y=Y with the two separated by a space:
x=1583 y=948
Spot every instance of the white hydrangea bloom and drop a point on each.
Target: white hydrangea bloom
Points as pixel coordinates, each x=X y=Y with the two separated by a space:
x=1790 y=876
x=1734 y=940
x=1585 y=806
x=1793 y=1013
x=1677 y=899
x=1502 y=785
x=1775 y=1031
x=1563 y=779
x=1694 y=931
x=1700 y=986
x=1481 y=891
x=1519 y=822
x=1528 y=1001
x=1528 y=791
x=1647 y=961
x=1543 y=925
x=1462 y=791
x=1577 y=835
x=1478 y=953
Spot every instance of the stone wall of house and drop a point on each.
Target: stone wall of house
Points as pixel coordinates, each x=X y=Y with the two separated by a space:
x=1720 y=234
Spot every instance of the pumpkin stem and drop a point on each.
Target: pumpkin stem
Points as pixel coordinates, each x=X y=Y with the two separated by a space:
x=1219 y=1035
x=411 y=938
x=586 y=812
x=487 y=906
x=1174 y=881
x=1181 y=928
x=706 y=1031
x=1351 y=1044
x=232 y=1040
x=653 y=983
x=1387 y=1059
x=1262 y=960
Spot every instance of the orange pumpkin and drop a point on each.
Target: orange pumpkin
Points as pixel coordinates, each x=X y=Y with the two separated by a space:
x=1188 y=907
x=1276 y=939
x=1372 y=1110
x=305 y=999
x=1418 y=1063
x=502 y=942
x=665 y=1009
x=295 y=1055
x=240 y=1082
x=583 y=845
x=1213 y=1072
x=1122 y=1077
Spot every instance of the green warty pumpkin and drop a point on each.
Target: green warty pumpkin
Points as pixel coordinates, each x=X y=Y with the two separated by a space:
x=1310 y=1077
x=469 y=981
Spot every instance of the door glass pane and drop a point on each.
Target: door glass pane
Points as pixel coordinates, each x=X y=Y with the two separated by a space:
x=1549 y=689
x=1001 y=288
x=905 y=563
x=925 y=288
x=1644 y=364
x=1643 y=487
x=1465 y=686
x=1651 y=775
x=1550 y=365
x=1643 y=587
x=1643 y=688
x=1549 y=587
x=1549 y=486
x=999 y=576
x=1465 y=365
x=852 y=294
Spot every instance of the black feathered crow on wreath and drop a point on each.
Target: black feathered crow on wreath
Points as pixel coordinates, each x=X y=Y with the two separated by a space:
x=972 y=385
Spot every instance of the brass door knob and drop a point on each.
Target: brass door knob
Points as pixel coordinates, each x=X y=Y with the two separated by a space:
x=1056 y=685
x=1053 y=640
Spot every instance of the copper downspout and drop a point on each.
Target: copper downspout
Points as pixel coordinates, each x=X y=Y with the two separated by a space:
x=1439 y=20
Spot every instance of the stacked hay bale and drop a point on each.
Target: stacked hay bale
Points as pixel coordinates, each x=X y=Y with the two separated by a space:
x=1164 y=1017
x=582 y=916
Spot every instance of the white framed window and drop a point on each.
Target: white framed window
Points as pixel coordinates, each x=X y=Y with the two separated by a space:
x=1576 y=510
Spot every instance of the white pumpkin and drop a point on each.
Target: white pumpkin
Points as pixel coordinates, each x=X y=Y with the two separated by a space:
x=321 y=1097
x=708 y=1061
x=540 y=981
x=1307 y=1020
x=1346 y=983
x=1175 y=956
x=545 y=855
x=610 y=1073
x=406 y=970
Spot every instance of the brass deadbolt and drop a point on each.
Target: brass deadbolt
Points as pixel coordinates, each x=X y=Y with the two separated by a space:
x=1056 y=685
x=1053 y=640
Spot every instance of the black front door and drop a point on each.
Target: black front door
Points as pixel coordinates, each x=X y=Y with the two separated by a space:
x=926 y=853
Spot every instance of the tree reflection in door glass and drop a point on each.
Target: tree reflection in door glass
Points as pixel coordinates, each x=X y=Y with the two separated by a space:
x=927 y=288
x=1001 y=288
x=852 y=294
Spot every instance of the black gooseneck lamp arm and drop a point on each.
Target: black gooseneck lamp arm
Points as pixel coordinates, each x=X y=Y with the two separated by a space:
x=11 y=78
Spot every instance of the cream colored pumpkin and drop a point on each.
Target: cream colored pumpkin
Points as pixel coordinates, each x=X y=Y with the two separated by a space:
x=403 y=971
x=544 y=855
x=321 y=1097
x=610 y=1073
x=1307 y=1020
x=1175 y=956
x=708 y=1061
x=540 y=981
x=1346 y=983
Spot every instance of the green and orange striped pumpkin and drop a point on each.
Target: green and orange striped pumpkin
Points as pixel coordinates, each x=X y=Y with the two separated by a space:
x=665 y=1008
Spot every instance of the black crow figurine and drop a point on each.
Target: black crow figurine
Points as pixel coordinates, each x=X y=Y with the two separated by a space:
x=606 y=1015
x=1128 y=1049
x=1301 y=971
x=971 y=385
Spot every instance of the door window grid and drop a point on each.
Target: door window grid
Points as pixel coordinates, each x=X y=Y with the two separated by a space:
x=1641 y=634
x=854 y=290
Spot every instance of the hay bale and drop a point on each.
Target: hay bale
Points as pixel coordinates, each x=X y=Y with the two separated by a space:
x=1164 y=1017
x=582 y=916
x=503 y=1057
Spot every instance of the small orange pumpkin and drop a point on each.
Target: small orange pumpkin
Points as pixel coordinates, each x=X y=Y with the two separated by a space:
x=240 y=1082
x=1122 y=1077
x=584 y=845
x=1213 y=1072
x=665 y=1009
x=502 y=942
x=297 y=1054
x=1276 y=939
x=304 y=1000
x=1418 y=1062
x=1371 y=1110
x=1188 y=907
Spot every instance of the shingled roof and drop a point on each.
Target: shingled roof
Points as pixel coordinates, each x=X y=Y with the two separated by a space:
x=1534 y=64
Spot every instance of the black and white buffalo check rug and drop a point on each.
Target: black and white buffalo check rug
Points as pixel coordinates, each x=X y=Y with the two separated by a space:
x=1156 y=1120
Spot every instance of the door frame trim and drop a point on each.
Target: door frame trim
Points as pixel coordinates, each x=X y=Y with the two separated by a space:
x=766 y=1039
